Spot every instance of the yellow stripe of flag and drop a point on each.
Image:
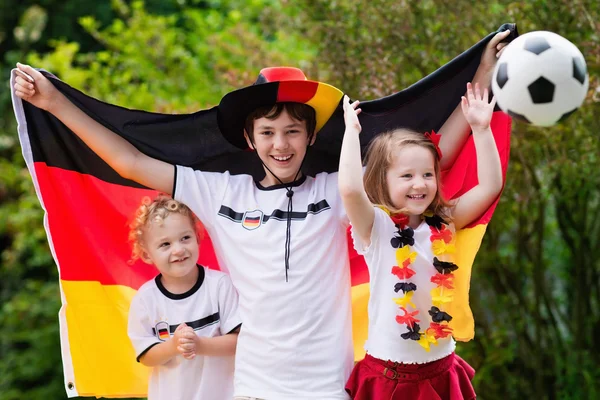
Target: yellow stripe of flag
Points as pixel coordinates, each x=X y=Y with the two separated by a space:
x=103 y=358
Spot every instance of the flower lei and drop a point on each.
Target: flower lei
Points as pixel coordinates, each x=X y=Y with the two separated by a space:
x=442 y=245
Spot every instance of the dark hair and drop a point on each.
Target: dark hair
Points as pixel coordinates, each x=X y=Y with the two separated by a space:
x=298 y=111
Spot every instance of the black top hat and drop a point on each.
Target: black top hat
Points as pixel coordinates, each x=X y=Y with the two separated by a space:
x=274 y=85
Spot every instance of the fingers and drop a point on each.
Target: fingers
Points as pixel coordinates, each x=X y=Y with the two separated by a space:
x=493 y=102
x=24 y=75
x=186 y=337
x=187 y=343
x=187 y=347
x=347 y=104
x=470 y=95
x=499 y=53
x=350 y=109
x=32 y=73
x=180 y=327
x=188 y=354
x=23 y=88
x=498 y=38
x=474 y=94
x=188 y=334
x=464 y=105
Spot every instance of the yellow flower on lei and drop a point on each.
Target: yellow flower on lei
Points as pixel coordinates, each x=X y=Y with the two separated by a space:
x=440 y=297
x=440 y=247
x=405 y=300
x=425 y=340
x=403 y=254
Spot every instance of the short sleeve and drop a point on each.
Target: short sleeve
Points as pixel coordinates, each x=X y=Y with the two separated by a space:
x=228 y=305
x=140 y=328
x=201 y=191
x=380 y=219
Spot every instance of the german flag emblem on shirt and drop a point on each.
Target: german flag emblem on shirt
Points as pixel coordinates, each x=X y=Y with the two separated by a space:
x=252 y=219
x=162 y=331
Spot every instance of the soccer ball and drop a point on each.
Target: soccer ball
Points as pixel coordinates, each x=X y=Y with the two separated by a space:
x=541 y=78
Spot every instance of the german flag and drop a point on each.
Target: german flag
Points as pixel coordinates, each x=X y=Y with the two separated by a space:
x=252 y=220
x=163 y=334
x=88 y=205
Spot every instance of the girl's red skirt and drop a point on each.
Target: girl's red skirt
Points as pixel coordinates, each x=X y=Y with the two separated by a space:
x=445 y=379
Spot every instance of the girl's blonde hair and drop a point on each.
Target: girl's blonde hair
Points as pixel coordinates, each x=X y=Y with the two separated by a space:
x=156 y=211
x=380 y=156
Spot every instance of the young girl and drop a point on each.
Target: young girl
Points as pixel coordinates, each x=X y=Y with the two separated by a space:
x=183 y=323
x=404 y=229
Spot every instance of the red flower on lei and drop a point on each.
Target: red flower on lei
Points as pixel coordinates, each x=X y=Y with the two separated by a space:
x=408 y=318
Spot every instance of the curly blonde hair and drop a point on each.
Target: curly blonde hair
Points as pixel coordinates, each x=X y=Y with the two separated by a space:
x=379 y=157
x=156 y=211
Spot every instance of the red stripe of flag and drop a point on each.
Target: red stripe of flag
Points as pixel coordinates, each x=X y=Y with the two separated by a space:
x=89 y=226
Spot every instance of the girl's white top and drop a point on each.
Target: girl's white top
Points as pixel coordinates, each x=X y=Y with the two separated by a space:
x=384 y=340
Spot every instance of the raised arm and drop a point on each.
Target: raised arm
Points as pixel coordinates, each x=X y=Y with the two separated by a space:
x=455 y=130
x=478 y=113
x=350 y=177
x=117 y=152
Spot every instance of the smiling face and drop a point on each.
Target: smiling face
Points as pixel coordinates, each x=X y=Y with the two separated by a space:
x=411 y=179
x=280 y=139
x=402 y=174
x=171 y=244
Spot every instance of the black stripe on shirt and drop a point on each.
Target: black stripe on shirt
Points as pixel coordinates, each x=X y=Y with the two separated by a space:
x=280 y=215
x=197 y=324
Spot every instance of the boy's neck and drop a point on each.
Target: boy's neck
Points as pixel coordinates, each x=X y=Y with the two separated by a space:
x=270 y=180
x=179 y=285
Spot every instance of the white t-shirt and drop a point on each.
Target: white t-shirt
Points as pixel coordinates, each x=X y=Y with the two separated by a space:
x=211 y=308
x=296 y=342
x=384 y=340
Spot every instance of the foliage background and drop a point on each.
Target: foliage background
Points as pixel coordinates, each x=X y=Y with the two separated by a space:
x=536 y=284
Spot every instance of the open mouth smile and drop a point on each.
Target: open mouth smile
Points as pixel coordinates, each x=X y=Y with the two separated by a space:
x=282 y=158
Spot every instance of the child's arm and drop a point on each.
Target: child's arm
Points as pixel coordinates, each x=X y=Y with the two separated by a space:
x=455 y=130
x=165 y=351
x=478 y=112
x=350 y=178
x=117 y=152
x=159 y=354
x=191 y=344
x=217 y=346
